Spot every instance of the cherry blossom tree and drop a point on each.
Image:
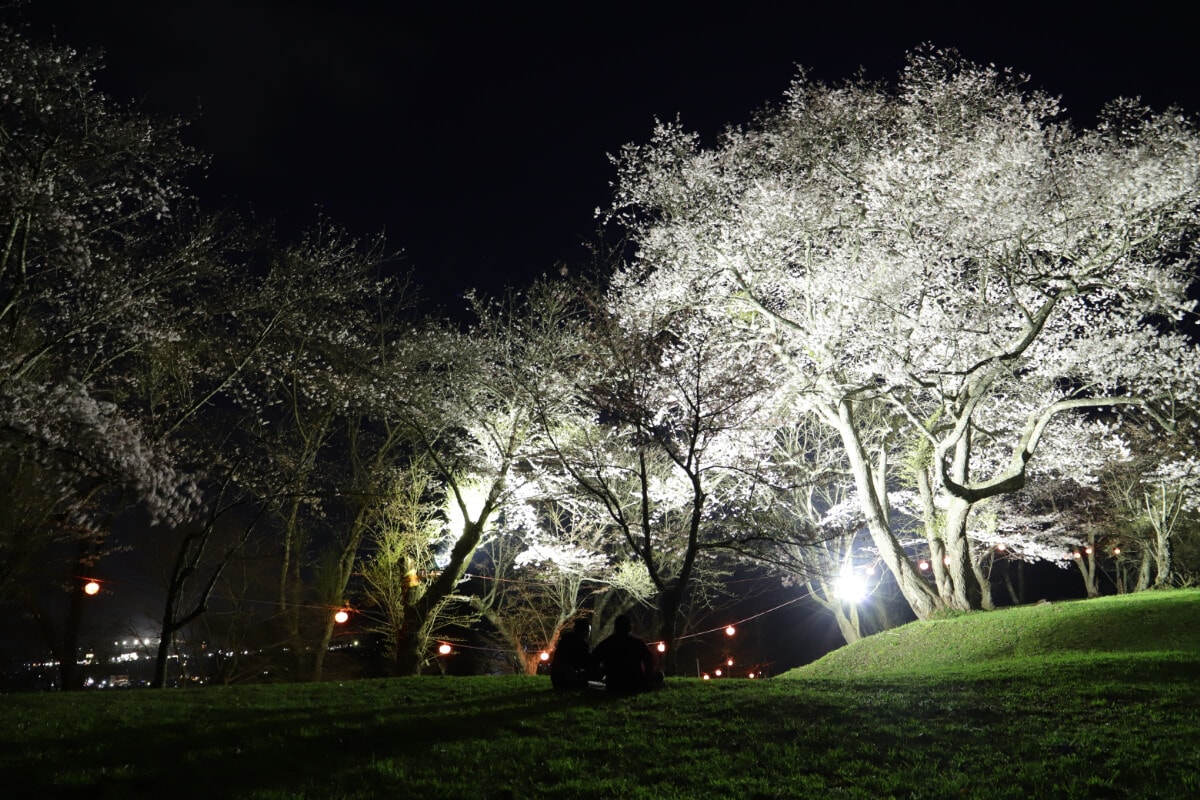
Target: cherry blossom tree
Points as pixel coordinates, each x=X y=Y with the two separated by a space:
x=98 y=246
x=679 y=427
x=811 y=531
x=475 y=407
x=538 y=579
x=948 y=248
x=1152 y=497
x=88 y=269
x=324 y=319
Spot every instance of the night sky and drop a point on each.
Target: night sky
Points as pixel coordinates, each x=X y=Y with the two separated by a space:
x=475 y=135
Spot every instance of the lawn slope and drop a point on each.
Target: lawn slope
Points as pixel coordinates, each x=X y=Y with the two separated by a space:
x=1090 y=700
x=1148 y=630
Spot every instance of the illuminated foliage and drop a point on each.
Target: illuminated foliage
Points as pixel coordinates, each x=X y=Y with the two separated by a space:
x=947 y=249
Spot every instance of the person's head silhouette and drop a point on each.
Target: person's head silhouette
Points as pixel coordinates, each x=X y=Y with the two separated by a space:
x=622 y=625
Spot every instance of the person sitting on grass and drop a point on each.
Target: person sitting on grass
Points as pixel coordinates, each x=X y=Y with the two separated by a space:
x=571 y=664
x=625 y=661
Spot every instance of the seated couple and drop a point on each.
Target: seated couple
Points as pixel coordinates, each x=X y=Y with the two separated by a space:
x=622 y=661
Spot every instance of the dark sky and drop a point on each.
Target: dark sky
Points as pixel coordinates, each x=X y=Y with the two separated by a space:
x=476 y=135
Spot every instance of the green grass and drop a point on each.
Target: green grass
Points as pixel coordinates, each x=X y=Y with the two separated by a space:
x=1097 y=699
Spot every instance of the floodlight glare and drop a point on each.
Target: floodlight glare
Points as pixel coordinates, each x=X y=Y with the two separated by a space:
x=850 y=587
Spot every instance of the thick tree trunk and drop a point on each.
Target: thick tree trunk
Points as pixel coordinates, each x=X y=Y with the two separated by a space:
x=1162 y=559
x=1086 y=562
x=1143 y=582
x=410 y=650
x=966 y=593
x=848 y=625
x=669 y=604
x=420 y=615
x=920 y=596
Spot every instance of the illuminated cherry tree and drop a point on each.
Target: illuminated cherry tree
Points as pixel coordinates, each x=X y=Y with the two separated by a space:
x=948 y=248
x=677 y=425
x=475 y=407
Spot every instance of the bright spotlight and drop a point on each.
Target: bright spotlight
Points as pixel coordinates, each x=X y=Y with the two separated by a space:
x=730 y=631
x=341 y=616
x=850 y=587
x=444 y=649
x=661 y=647
x=91 y=587
x=544 y=656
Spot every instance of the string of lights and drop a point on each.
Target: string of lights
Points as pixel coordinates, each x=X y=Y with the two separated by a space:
x=342 y=615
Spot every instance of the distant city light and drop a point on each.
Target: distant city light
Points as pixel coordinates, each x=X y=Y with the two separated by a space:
x=1116 y=551
x=444 y=649
x=923 y=565
x=661 y=647
x=1001 y=547
x=341 y=616
x=717 y=672
x=730 y=631
x=705 y=677
x=751 y=675
x=729 y=662
x=544 y=656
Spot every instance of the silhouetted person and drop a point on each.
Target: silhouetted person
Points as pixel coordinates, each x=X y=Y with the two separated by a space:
x=625 y=661
x=571 y=664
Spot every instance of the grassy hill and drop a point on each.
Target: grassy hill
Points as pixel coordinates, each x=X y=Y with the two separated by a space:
x=1096 y=699
x=1150 y=630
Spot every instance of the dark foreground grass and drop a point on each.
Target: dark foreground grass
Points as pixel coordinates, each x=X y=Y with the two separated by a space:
x=1111 y=724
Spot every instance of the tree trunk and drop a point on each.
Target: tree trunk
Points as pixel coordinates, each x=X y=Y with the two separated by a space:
x=848 y=625
x=1086 y=562
x=921 y=598
x=669 y=603
x=966 y=592
x=410 y=650
x=1143 y=582
x=1162 y=558
x=983 y=578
